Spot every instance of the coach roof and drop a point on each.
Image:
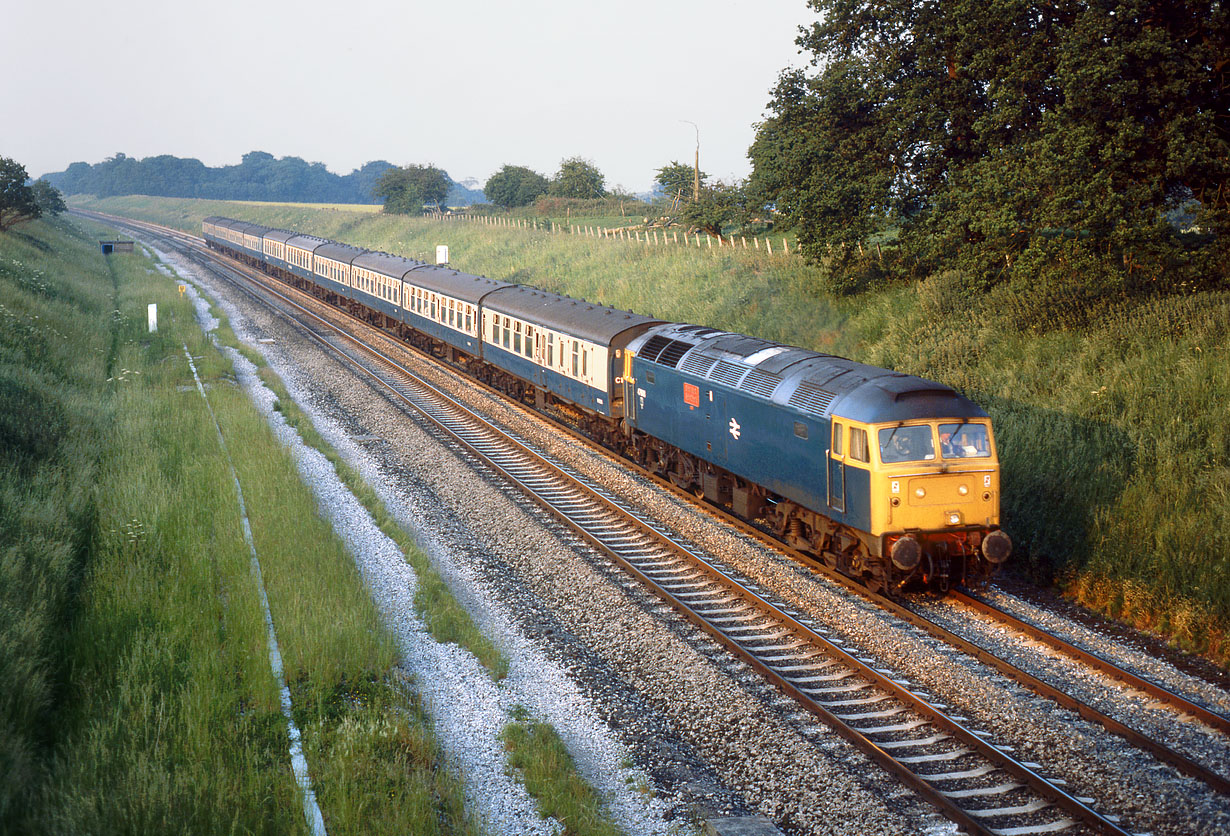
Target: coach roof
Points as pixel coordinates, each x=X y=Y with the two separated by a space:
x=596 y=323
x=449 y=282
x=344 y=253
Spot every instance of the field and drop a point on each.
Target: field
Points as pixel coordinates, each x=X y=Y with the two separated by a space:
x=1109 y=411
x=138 y=695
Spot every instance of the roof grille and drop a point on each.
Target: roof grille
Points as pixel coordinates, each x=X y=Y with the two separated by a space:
x=671 y=355
x=664 y=350
x=653 y=347
x=761 y=383
x=727 y=373
x=698 y=364
x=811 y=398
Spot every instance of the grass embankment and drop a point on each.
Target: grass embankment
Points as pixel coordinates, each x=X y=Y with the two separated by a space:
x=1110 y=411
x=138 y=693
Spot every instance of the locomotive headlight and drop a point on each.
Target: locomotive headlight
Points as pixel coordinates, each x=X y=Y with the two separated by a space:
x=919 y=492
x=954 y=518
x=962 y=490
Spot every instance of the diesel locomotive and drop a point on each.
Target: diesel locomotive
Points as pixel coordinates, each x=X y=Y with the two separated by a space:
x=889 y=478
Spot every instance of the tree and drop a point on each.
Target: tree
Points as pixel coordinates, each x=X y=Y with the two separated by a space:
x=720 y=205
x=406 y=191
x=578 y=177
x=998 y=135
x=677 y=180
x=514 y=185
x=17 y=200
x=48 y=198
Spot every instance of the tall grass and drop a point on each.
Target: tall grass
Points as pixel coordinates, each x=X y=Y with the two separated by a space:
x=1109 y=409
x=55 y=315
x=137 y=692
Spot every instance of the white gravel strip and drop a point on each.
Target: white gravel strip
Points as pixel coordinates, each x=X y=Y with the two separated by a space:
x=468 y=709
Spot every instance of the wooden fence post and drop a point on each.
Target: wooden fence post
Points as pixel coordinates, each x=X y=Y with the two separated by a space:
x=768 y=245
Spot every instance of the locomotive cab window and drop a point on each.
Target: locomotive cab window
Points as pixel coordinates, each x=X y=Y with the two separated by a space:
x=837 y=433
x=906 y=444
x=964 y=441
x=858 y=445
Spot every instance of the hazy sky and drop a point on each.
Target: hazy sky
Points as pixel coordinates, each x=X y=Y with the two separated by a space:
x=466 y=85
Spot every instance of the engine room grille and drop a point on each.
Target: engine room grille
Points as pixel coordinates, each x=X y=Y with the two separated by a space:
x=727 y=373
x=811 y=398
x=664 y=350
x=698 y=365
x=760 y=382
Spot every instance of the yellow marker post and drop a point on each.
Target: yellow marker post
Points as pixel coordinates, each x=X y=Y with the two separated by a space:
x=183 y=288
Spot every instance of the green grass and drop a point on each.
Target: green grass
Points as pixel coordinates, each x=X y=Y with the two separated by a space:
x=542 y=762
x=138 y=695
x=1109 y=411
x=446 y=619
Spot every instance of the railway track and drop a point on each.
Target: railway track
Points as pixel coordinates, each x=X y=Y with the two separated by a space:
x=958 y=769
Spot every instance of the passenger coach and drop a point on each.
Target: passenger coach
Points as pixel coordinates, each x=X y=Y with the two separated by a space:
x=568 y=349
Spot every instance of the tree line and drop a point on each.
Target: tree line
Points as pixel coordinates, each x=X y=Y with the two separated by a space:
x=1008 y=139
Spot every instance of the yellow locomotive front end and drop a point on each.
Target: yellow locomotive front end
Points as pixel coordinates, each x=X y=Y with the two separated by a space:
x=935 y=500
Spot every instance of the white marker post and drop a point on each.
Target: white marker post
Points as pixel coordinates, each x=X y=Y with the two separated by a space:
x=442 y=254
x=153 y=317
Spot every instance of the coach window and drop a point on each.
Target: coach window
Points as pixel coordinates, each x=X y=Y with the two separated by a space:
x=550 y=349
x=585 y=362
x=576 y=358
x=469 y=318
x=507 y=333
x=495 y=330
x=529 y=341
x=517 y=337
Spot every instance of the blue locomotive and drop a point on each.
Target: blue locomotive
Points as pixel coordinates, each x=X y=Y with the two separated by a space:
x=887 y=477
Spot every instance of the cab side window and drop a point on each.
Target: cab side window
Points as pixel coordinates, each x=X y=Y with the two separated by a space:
x=837 y=433
x=858 y=445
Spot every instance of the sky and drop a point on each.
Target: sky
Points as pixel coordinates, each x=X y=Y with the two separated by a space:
x=465 y=85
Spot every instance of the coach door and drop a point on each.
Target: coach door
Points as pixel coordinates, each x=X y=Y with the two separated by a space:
x=837 y=470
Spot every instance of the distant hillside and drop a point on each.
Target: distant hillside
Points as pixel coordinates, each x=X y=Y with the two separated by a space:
x=465 y=192
x=260 y=176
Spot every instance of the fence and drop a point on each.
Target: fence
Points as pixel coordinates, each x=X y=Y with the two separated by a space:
x=648 y=237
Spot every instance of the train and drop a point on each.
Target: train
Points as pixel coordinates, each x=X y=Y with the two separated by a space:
x=889 y=478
